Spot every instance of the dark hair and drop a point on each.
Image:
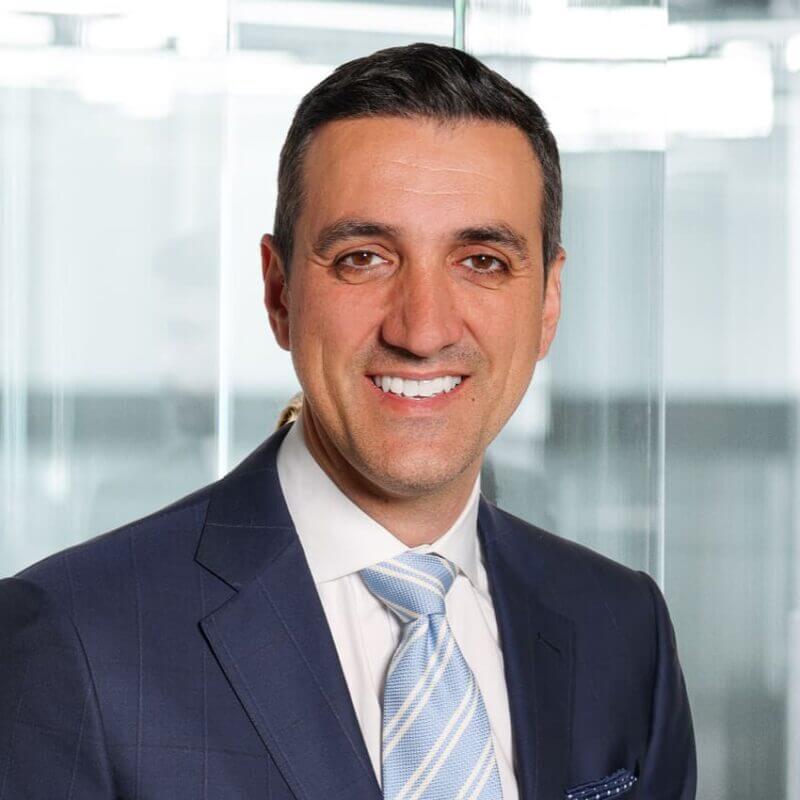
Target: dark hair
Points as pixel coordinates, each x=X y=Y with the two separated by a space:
x=418 y=80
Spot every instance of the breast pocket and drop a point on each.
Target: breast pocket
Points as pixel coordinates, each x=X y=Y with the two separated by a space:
x=621 y=783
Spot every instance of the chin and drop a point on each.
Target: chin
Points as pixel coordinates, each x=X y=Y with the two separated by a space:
x=422 y=471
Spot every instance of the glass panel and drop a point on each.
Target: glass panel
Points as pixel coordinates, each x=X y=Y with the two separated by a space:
x=582 y=455
x=111 y=161
x=138 y=153
x=732 y=362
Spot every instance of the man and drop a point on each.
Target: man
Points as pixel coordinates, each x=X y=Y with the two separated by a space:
x=343 y=615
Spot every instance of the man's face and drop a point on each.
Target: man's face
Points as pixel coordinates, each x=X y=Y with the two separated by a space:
x=418 y=256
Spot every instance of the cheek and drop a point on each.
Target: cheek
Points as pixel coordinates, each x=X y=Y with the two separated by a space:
x=526 y=347
x=330 y=328
x=509 y=329
x=307 y=325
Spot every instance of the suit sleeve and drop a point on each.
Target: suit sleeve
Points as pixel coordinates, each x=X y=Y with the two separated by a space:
x=669 y=768
x=51 y=735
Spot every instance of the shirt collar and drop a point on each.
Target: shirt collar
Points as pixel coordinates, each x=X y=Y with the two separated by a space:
x=339 y=538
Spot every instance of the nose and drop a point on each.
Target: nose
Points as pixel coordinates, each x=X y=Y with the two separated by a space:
x=423 y=316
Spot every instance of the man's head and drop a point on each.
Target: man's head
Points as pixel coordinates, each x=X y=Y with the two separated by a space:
x=418 y=217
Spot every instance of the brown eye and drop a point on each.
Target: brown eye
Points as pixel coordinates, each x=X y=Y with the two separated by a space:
x=482 y=262
x=360 y=259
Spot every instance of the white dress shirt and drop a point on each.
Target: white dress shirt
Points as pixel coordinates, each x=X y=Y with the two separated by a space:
x=339 y=539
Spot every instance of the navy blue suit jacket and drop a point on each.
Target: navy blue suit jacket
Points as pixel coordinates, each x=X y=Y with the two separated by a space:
x=187 y=656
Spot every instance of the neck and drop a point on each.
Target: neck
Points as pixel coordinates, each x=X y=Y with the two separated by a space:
x=418 y=518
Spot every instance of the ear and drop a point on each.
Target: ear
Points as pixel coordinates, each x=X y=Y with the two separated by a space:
x=276 y=291
x=551 y=308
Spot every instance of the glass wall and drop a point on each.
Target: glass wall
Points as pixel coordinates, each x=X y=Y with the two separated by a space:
x=138 y=156
x=680 y=138
x=732 y=361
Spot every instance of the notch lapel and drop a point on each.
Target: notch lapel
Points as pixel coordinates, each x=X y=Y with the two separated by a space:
x=272 y=638
x=538 y=653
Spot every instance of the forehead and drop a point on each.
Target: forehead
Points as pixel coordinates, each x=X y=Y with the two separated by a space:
x=421 y=171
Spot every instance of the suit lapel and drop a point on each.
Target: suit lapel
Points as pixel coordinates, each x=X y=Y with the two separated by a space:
x=273 y=641
x=538 y=653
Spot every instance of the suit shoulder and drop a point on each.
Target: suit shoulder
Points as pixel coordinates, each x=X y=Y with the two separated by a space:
x=559 y=548
x=104 y=556
x=568 y=569
x=22 y=603
x=32 y=619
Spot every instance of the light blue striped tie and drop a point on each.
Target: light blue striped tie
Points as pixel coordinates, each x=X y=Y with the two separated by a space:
x=437 y=743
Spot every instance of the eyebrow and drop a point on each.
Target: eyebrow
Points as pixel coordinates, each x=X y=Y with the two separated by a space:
x=496 y=234
x=344 y=229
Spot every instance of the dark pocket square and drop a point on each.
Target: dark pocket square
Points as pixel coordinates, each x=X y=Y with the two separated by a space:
x=613 y=786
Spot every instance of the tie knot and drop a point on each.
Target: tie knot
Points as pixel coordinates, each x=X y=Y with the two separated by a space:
x=411 y=584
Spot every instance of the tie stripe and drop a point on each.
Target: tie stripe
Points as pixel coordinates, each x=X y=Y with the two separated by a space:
x=388 y=724
x=388 y=746
x=406 y=614
x=406 y=568
x=483 y=762
x=432 y=584
x=444 y=738
x=437 y=742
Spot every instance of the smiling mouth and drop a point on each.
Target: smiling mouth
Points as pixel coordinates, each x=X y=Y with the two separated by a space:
x=417 y=389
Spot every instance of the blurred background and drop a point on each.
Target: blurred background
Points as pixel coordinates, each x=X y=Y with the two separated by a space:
x=138 y=156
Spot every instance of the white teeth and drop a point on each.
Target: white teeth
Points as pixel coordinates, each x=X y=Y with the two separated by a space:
x=412 y=388
x=429 y=388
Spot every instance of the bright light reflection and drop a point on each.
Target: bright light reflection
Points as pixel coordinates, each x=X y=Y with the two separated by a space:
x=727 y=97
x=686 y=40
x=126 y=33
x=792 y=53
x=138 y=87
x=21 y=30
x=380 y=18
x=555 y=31
x=599 y=72
x=602 y=106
